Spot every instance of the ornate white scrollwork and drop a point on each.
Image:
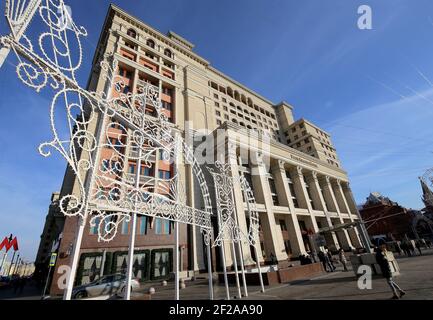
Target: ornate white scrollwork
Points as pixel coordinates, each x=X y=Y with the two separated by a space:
x=228 y=226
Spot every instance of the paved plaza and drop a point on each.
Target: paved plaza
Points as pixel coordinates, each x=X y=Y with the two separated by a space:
x=416 y=279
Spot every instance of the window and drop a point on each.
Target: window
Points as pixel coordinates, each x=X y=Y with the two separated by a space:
x=167 y=52
x=150 y=43
x=125 y=226
x=162 y=226
x=215 y=96
x=167 y=91
x=131 y=33
x=224 y=99
x=143 y=225
x=166 y=105
x=147 y=171
x=218 y=113
x=283 y=225
x=273 y=191
x=164 y=174
x=217 y=104
x=149 y=55
x=292 y=191
x=94 y=228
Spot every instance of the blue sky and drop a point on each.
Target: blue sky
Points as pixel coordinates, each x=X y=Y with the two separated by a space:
x=371 y=89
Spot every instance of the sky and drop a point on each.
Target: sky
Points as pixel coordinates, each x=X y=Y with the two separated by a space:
x=372 y=90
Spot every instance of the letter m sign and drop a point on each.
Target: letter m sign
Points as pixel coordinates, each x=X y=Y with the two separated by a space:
x=7 y=243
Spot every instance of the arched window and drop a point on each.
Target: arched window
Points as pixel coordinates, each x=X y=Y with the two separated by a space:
x=167 y=52
x=150 y=43
x=131 y=32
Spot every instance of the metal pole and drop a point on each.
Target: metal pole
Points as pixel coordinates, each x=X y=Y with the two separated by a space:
x=3 y=262
x=12 y=262
x=235 y=263
x=18 y=270
x=241 y=253
x=104 y=255
x=82 y=219
x=209 y=270
x=176 y=225
x=223 y=256
x=127 y=295
x=244 y=281
x=4 y=51
x=176 y=274
x=16 y=264
x=259 y=270
x=46 y=281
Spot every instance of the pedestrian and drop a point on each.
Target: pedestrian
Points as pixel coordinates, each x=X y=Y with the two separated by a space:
x=323 y=260
x=418 y=246
x=343 y=259
x=330 y=258
x=382 y=261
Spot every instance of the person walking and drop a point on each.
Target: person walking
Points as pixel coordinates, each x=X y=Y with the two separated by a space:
x=322 y=259
x=383 y=263
x=343 y=259
x=329 y=255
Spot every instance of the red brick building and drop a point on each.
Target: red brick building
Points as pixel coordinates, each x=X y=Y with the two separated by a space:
x=384 y=217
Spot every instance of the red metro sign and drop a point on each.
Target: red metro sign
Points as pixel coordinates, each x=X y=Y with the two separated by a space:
x=8 y=243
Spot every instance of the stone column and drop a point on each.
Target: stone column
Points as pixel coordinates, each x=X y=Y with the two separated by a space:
x=285 y=198
x=329 y=192
x=299 y=185
x=353 y=232
x=271 y=234
x=316 y=192
x=310 y=221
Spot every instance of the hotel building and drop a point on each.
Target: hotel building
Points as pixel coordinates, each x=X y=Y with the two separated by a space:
x=297 y=179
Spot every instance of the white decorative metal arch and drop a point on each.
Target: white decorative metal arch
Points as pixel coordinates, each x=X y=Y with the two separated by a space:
x=228 y=222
